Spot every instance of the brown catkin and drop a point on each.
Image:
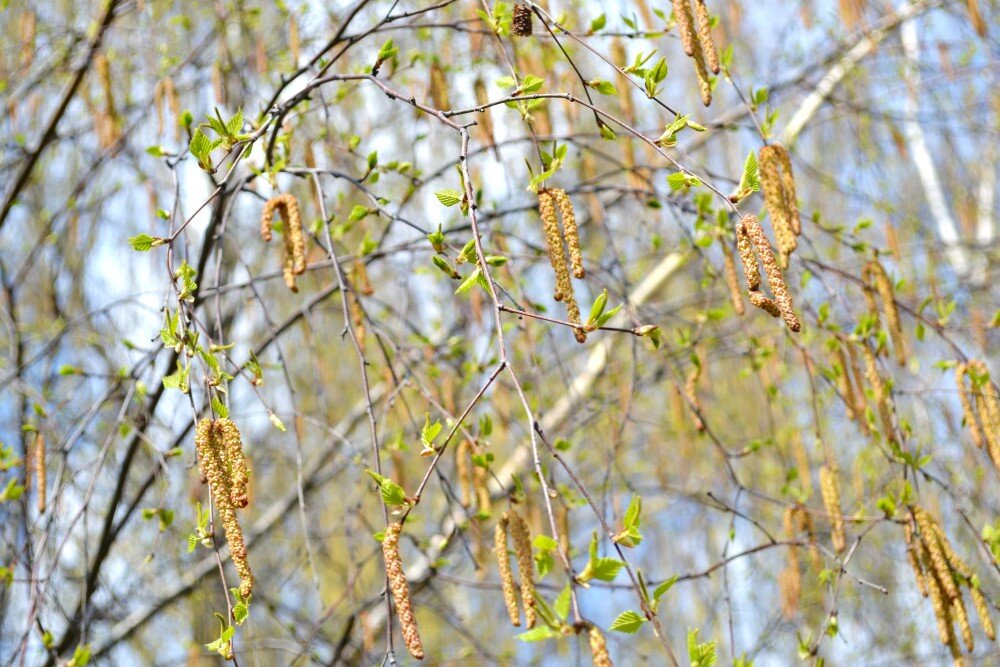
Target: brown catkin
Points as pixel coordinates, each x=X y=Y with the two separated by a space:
x=360 y=279
x=749 y=260
x=845 y=387
x=485 y=118
x=758 y=300
x=790 y=586
x=401 y=590
x=295 y=257
x=525 y=565
x=598 y=647
x=480 y=481
x=506 y=575
x=213 y=447
x=705 y=35
x=463 y=468
x=732 y=281
x=788 y=185
x=685 y=27
x=520 y=24
x=691 y=391
x=750 y=227
x=860 y=402
x=570 y=232
x=874 y=272
x=439 y=87
x=776 y=201
x=174 y=102
x=830 y=489
x=804 y=524
x=40 y=482
x=554 y=246
x=791 y=532
x=232 y=441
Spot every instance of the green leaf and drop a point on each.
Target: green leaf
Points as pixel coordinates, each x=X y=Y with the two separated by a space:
x=448 y=197
x=603 y=87
x=628 y=622
x=540 y=633
x=598 y=23
x=469 y=282
x=598 y=308
x=531 y=84
x=750 y=180
x=664 y=587
x=81 y=656
x=392 y=493
x=145 y=242
x=220 y=408
x=632 y=513
x=561 y=605
x=358 y=213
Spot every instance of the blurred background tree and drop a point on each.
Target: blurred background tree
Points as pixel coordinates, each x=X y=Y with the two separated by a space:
x=699 y=482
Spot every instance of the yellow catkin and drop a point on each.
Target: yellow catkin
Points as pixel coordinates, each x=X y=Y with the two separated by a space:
x=598 y=647
x=463 y=469
x=913 y=557
x=570 y=232
x=401 y=590
x=987 y=408
x=758 y=300
x=158 y=106
x=562 y=525
x=790 y=587
x=732 y=281
x=40 y=469
x=294 y=46
x=525 y=564
x=691 y=391
x=968 y=412
x=506 y=575
x=213 y=447
x=791 y=532
x=941 y=609
x=983 y=611
x=360 y=278
x=830 y=488
x=860 y=402
x=520 y=24
x=295 y=257
x=174 y=102
x=880 y=393
x=804 y=524
x=845 y=387
x=776 y=201
x=962 y=618
x=788 y=185
x=232 y=441
x=935 y=552
x=875 y=273
x=750 y=227
x=751 y=270
x=705 y=35
x=557 y=257
x=480 y=481
x=439 y=87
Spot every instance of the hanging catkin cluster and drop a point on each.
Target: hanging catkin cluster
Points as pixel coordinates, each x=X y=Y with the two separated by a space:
x=295 y=243
x=750 y=236
x=598 y=647
x=697 y=42
x=876 y=280
x=401 y=590
x=520 y=24
x=940 y=573
x=980 y=407
x=223 y=466
x=513 y=523
x=829 y=485
x=778 y=183
x=472 y=479
x=547 y=200
x=850 y=381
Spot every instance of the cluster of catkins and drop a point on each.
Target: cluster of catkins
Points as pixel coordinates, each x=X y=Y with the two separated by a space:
x=778 y=184
x=697 y=42
x=750 y=237
x=295 y=243
x=980 y=407
x=472 y=478
x=401 y=590
x=850 y=380
x=513 y=523
x=520 y=24
x=940 y=574
x=876 y=281
x=224 y=468
x=547 y=202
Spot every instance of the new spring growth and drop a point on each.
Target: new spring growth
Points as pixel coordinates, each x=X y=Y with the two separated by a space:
x=749 y=237
x=829 y=485
x=874 y=273
x=778 y=184
x=401 y=590
x=222 y=465
x=506 y=575
x=557 y=252
x=698 y=44
x=40 y=488
x=520 y=24
x=295 y=256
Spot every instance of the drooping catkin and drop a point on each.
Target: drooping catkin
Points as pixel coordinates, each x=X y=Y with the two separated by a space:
x=791 y=533
x=860 y=402
x=295 y=256
x=506 y=575
x=439 y=87
x=935 y=552
x=912 y=555
x=732 y=281
x=879 y=391
x=40 y=469
x=463 y=469
x=705 y=35
x=691 y=391
x=221 y=468
x=936 y=594
x=520 y=24
x=783 y=212
x=685 y=26
x=570 y=231
x=875 y=273
x=968 y=411
x=750 y=268
x=360 y=278
x=962 y=618
x=790 y=587
x=598 y=647
x=845 y=387
x=480 y=481
x=485 y=119
x=983 y=611
x=557 y=257
x=525 y=564
x=829 y=486
x=750 y=229
x=401 y=590
x=758 y=300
